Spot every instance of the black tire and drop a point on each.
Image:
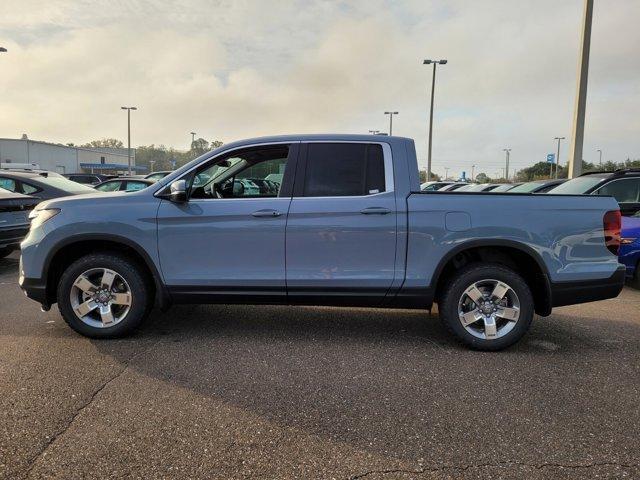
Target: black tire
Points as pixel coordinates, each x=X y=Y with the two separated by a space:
x=6 y=251
x=130 y=271
x=635 y=281
x=453 y=292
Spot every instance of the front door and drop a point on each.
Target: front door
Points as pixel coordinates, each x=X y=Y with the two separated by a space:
x=341 y=230
x=228 y=239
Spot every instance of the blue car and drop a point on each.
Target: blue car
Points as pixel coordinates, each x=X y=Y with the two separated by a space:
x=630 y=248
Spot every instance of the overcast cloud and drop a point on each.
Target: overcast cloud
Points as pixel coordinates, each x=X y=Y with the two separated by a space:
x=234 y=69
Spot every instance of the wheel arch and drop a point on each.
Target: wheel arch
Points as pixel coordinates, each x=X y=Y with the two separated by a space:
x=77 y=246
x=518 y=256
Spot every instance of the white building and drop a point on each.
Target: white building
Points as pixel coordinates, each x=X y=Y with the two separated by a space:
x=55 y=157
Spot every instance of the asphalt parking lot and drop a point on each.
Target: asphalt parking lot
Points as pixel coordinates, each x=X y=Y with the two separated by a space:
x=277 y=392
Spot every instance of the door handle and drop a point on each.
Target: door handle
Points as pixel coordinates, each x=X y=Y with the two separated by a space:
x=266 y=213
x=375 y=211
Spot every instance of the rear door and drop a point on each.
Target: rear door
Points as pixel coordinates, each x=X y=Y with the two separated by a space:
x=341 y=229
x=626 y=191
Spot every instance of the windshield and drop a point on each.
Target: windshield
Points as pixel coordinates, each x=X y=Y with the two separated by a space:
x=503 y=188
x=66 y=185
x=577 y=186
x=526 y=187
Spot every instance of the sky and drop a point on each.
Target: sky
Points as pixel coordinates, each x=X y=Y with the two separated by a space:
x=239 y=68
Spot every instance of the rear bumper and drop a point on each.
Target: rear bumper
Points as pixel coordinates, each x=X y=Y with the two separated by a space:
x=571 y=293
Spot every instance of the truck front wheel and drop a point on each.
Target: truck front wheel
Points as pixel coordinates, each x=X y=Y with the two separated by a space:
x=103 y=295
x=487 y=306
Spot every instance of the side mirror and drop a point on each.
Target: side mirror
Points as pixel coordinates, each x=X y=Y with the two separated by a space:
x=178 y=191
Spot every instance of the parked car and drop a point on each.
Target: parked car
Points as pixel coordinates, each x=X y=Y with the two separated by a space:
x=451 y=187
x=504 y=187
x=155 y=176
x=41 y=185
x=44 y=173
x=630 y=248
x=623 y=185
x=14 y=221
x=538 y=186
x=349 y=226
x=478 y=187
x=126 y=184
x=432 y=186
x=88 y=178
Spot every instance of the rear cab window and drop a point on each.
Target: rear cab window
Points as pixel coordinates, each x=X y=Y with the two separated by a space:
x=344 y=170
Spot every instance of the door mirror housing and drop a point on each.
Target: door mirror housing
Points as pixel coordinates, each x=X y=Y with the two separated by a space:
x=178 y=191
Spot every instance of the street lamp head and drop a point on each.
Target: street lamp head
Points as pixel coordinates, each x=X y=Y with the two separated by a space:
x=427 y=62
x=133 y=108
x=2 y=49
x=442 y=62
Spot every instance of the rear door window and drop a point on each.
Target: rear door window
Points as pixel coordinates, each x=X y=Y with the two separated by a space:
x=8 y=184
x=626 y=190
x=109 y=186
x=343 y=170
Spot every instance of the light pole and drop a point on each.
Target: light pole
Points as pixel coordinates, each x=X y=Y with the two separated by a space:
x=446 y=172
x=600 y=151
x=374 y=132
x=577 y=137
x=559 y=139
x=151 y=164
x=506 y=163
x=473 y=172
x=433 y=86
x=193 y=138
x=391 y=114
x=128 y=109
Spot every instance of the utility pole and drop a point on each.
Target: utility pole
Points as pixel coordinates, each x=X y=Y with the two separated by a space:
x=433 y=87
x=506 y=163
x=577 y=137
x=446 y=172
x=391 y=114
x=128 y=109
x=559 y=139
x=600 y=151
x=473 y=172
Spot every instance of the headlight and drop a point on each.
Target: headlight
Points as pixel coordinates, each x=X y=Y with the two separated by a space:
x=38 y=217
x=627 y=241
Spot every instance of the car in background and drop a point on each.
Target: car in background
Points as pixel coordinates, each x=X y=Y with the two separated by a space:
x=14 y=219
x=124 y=184
x=478 y=187
x=44 y=173
x=629 y=253
x=451 y=187
x=155 y=176
x=623 y=185
x=434 y=185
x=88 y=178
x=505 y=187
x=538 y=186
x=41 y=185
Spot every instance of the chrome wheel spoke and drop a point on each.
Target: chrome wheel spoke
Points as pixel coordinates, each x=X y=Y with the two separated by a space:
x=106 y=314
x=107 y=279
x=85 y=285
x=499 y=291
x=475 y=295
x=508 y=313
x=121 y=299
x=490 y=329
x=470 y=317
x=84 y=308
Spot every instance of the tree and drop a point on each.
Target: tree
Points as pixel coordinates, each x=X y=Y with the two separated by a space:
x=482 y=178
x=215 y=144
x=199 y=146
x=105 y=142
x=423 y=176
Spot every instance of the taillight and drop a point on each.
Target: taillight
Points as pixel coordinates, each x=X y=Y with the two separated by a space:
x=612 y=223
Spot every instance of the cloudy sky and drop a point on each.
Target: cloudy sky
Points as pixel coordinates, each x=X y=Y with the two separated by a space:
x=240 y=68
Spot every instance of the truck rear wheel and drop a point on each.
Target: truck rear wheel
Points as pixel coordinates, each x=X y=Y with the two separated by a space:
x=103 y=295
x=488 y=307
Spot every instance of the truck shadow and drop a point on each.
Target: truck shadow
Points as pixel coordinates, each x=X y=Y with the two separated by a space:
x=378 y=380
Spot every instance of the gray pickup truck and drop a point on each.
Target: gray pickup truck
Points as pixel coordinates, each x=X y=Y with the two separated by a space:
x=320 y=220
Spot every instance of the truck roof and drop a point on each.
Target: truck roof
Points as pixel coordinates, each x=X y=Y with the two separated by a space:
x=318 y=137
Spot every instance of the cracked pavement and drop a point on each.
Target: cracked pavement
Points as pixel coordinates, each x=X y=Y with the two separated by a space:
x=278 y=392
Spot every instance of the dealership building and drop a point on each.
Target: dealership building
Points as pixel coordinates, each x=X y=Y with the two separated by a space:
x=26 y=153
